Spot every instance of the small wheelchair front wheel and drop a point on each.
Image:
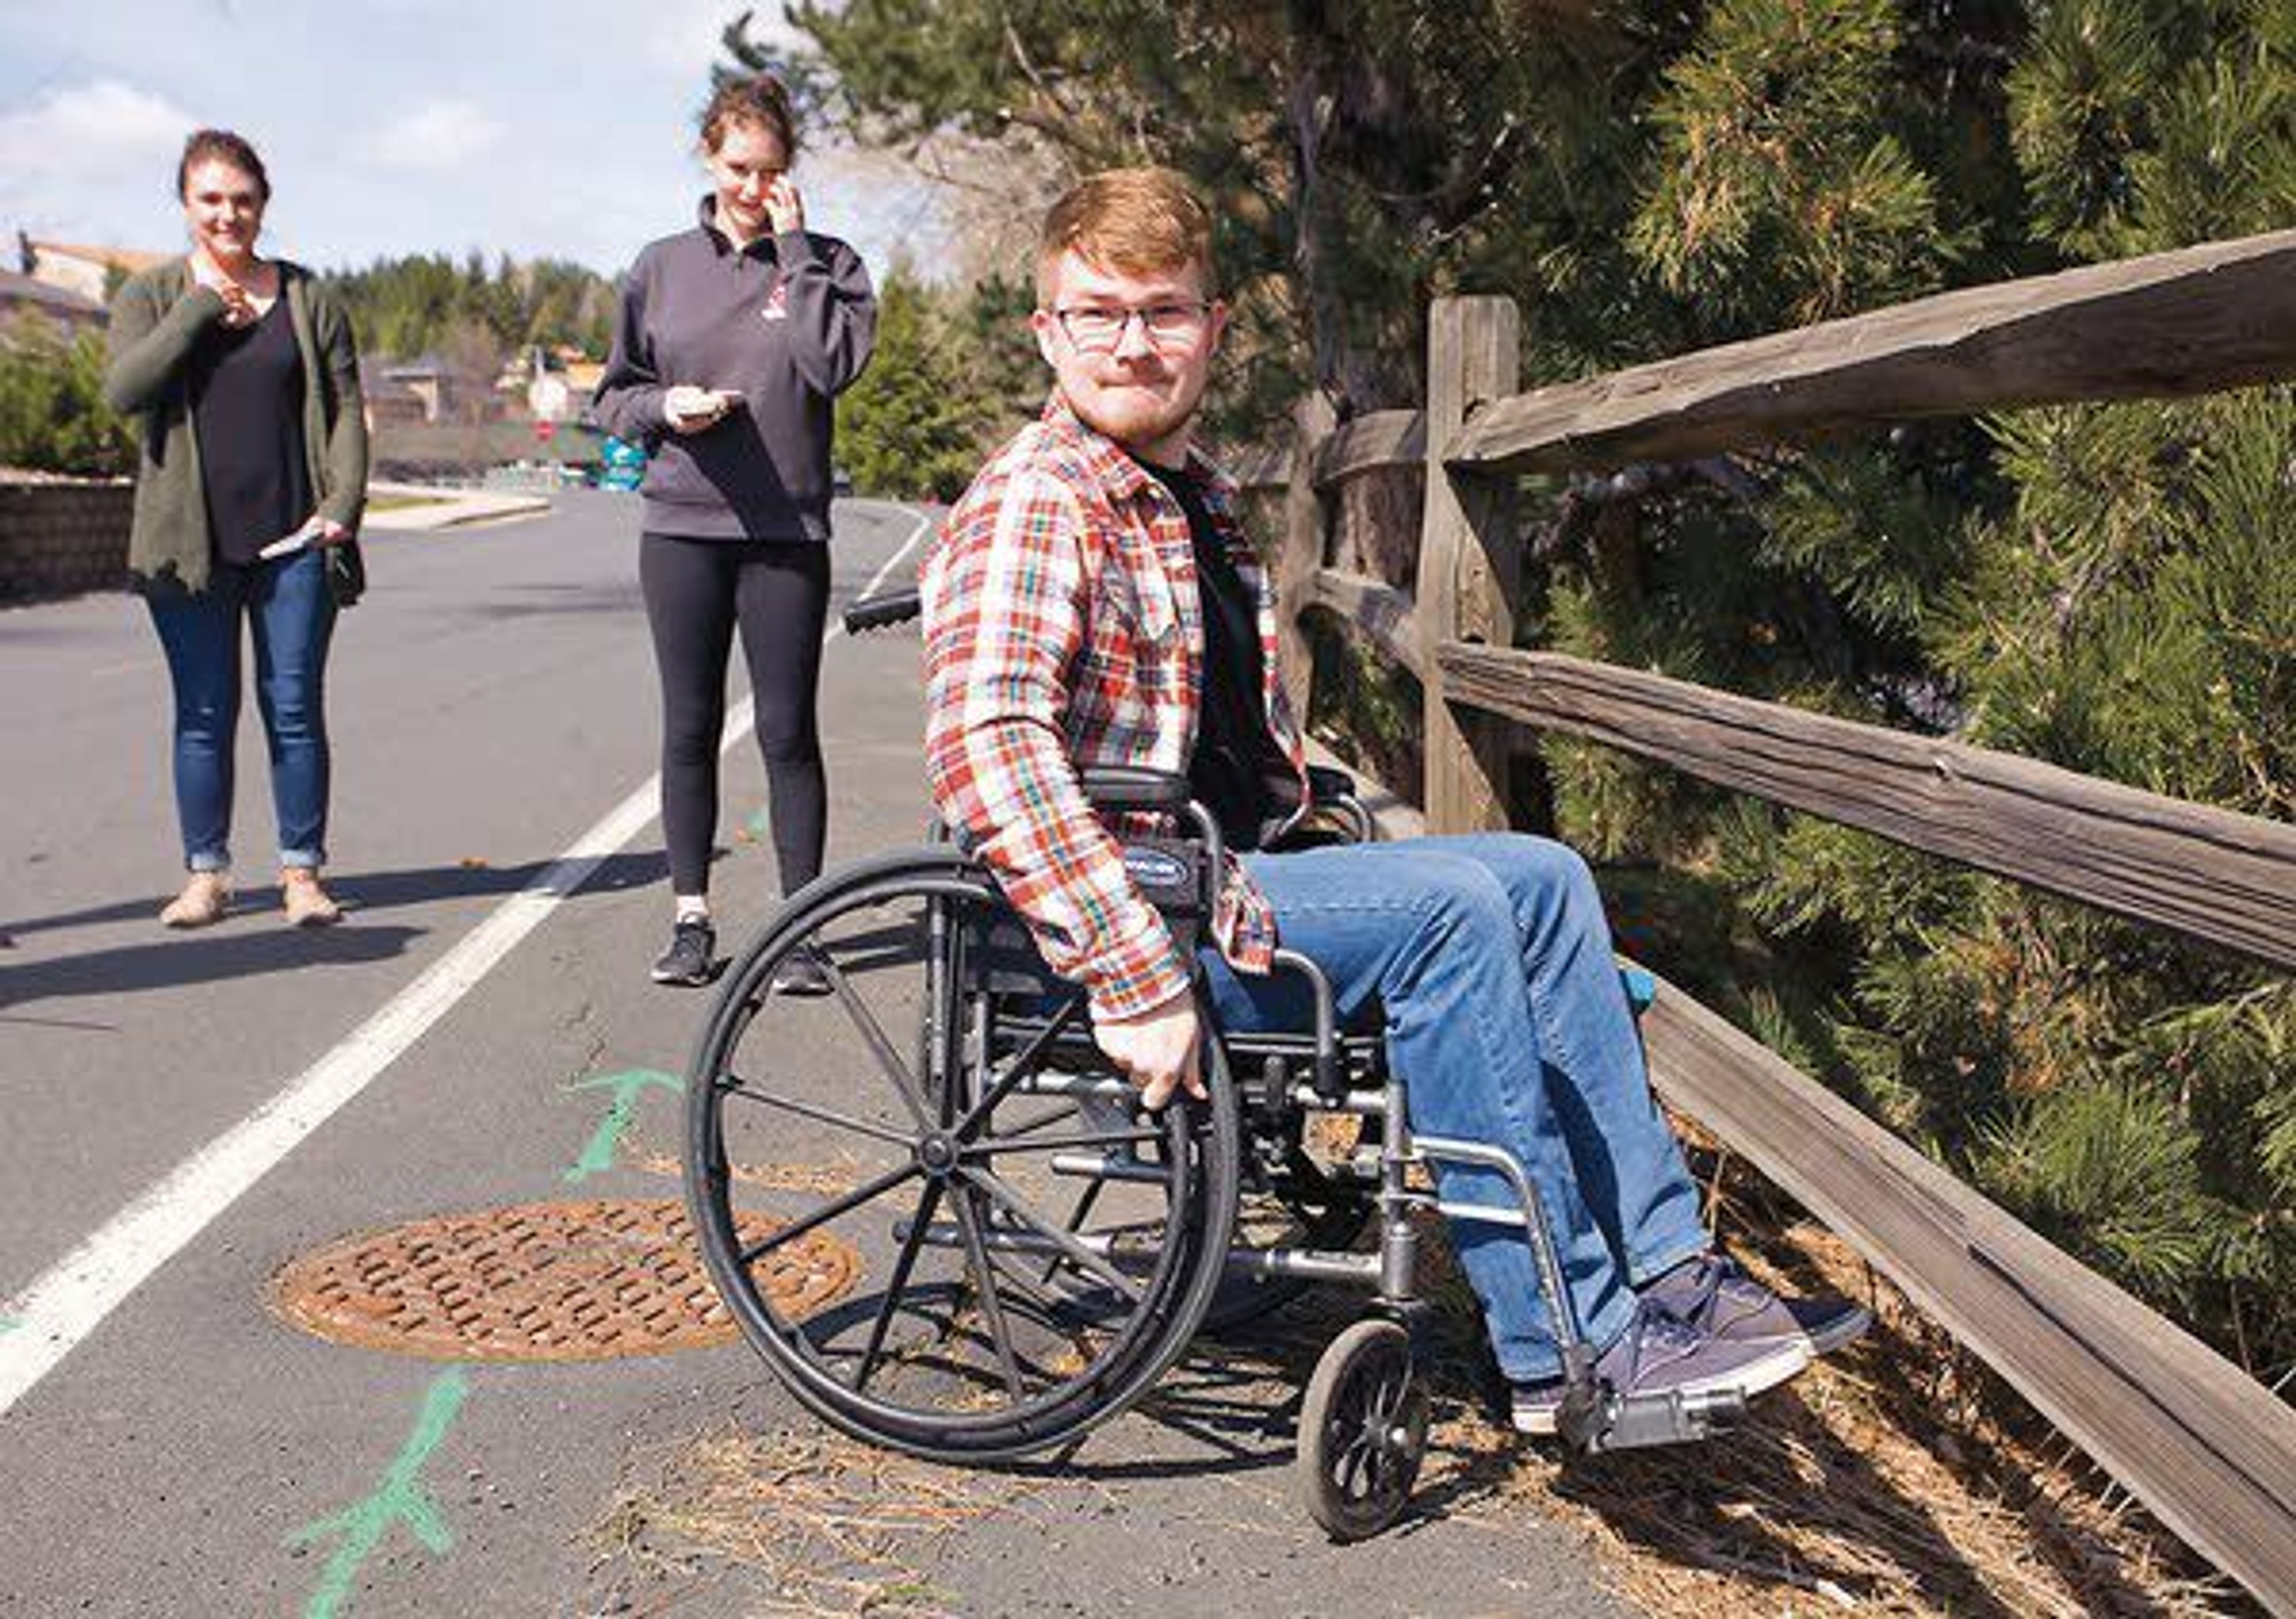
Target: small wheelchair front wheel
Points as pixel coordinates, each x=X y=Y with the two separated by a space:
x=1363 y=1431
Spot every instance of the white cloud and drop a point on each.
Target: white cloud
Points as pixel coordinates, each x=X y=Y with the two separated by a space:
x=68 y=153
x=438 y=135
x=98 y=131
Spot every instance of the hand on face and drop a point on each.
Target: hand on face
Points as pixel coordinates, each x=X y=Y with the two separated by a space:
x=784 y=207
x=749 y=165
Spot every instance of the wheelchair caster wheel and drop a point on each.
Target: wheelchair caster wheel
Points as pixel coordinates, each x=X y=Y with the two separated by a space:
x=1363 y=1431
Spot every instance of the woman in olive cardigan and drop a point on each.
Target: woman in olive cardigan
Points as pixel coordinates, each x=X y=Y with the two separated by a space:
x=242 y=376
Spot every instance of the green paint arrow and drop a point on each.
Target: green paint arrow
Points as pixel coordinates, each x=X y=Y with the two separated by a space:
x=401 y=1497
x=598 y=1155
x=9 y=1324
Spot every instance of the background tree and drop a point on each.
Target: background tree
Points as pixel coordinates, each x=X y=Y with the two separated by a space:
x=908 y=429
x=52 y=416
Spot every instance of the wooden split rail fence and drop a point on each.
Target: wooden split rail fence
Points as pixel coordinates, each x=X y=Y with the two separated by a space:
x=2210 y=1452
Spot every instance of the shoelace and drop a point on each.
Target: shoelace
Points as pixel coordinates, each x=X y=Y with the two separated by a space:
x=1657 y=1332
x=1695 y=1307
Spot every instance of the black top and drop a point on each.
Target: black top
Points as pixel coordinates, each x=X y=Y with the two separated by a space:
x=247 y=409
x=1236 y=753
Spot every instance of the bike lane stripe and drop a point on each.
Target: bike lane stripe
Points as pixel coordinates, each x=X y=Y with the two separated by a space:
x=64 y=1305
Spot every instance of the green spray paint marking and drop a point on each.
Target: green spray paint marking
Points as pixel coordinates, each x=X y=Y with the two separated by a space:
x=401 y=1498
x=9 y=1324
x=598 y=1156
x=757 y=825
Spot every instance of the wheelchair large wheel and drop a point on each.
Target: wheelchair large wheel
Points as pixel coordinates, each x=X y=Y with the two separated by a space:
x=1363 y=1431
x=1033 y=1249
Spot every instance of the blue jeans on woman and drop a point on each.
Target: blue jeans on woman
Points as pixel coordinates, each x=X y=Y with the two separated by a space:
x=1488 y=958
x=290 y=609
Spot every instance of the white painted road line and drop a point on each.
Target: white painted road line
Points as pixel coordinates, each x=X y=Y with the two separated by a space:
x=64 y=1305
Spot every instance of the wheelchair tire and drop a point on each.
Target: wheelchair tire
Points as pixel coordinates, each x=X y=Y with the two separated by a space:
x=1363 y=1431
x=979 y=1325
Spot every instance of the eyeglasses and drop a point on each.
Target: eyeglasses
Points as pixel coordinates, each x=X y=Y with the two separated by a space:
x=1098 y=331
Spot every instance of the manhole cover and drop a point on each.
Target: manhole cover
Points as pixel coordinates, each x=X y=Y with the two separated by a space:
x=543 y=1281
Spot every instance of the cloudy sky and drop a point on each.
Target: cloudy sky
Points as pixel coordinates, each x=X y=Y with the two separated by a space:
x=393 y=127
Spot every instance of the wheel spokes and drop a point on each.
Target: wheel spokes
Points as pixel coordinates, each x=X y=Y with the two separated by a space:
x=740 y=1087
x=828 y=1211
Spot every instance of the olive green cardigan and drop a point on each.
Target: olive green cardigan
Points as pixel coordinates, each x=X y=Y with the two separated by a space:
x=157 y=318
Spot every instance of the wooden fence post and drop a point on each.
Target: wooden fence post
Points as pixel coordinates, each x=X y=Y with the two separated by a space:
x=1467 y=557
x=1302 y=557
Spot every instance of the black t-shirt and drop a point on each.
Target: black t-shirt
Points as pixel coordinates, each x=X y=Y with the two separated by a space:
x=247 y=409
x=1236 y=753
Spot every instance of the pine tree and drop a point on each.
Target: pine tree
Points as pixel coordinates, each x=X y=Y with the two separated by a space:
x=906 y=429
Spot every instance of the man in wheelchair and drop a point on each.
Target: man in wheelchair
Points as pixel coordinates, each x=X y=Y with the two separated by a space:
x=1091 y=602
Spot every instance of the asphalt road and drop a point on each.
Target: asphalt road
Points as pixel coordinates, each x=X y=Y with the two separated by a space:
x=168 y=1445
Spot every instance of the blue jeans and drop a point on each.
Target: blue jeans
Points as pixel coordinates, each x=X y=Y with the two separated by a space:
x=1490 y=958
x=293 y=614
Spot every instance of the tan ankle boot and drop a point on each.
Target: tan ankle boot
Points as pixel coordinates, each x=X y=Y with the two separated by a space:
x=206 y=898
x=307 y=903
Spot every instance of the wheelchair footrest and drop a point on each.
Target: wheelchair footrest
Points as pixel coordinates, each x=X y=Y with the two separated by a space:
x=1613 y=1423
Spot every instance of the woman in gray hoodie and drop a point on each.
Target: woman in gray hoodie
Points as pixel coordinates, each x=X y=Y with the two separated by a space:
x=733 y=340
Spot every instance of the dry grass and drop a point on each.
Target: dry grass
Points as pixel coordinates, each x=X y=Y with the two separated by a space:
x=1899 y=1477
x=834 y=1528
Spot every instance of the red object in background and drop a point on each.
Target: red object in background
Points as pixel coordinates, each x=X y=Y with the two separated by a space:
x=544 y=431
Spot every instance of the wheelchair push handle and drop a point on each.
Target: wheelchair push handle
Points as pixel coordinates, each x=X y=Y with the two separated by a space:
x=884 y=611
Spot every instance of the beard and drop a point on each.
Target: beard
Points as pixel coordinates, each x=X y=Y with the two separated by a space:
x=1133 y=415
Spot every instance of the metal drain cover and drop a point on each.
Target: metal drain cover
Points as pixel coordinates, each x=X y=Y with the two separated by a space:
x=543 y=1281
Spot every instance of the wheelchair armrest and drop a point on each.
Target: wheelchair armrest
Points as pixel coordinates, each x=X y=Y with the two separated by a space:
x=1133 y=787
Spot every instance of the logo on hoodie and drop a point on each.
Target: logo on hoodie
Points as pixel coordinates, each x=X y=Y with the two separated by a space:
x=776 y=304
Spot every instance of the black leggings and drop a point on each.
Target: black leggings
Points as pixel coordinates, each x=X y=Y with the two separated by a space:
x=695 y=591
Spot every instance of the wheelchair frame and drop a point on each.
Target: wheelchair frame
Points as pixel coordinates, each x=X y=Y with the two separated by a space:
x=983 y=1045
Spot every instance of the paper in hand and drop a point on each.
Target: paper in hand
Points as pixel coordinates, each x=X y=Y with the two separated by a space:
x=288 y=545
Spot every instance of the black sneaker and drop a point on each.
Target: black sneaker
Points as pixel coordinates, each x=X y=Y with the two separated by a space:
x=1658 y=1354
x=1711 y=1293
x=800 y=973
x=692 y=955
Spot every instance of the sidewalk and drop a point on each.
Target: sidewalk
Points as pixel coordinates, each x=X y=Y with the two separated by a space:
x=450 y=509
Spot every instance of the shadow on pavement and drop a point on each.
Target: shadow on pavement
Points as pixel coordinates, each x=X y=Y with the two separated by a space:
x=362 y=891
x=213 y=957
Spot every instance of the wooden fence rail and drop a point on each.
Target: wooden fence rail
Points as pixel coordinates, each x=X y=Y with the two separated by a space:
x=2209 y=874
x=2210 y=1452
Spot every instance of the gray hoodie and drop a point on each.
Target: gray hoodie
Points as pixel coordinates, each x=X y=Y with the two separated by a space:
x=788 y=321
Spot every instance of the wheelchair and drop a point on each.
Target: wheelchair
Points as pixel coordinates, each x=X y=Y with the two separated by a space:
x=1033 y=1248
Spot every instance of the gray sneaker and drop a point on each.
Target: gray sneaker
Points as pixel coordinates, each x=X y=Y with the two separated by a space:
x=1713 y=1293
x=800 y=973
x=1658 y=1354
x=692 y=955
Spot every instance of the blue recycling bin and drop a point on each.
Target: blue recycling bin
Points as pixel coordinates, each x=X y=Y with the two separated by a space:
x=621 y=465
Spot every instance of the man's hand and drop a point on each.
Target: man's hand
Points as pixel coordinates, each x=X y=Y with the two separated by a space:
x=1157 y=1048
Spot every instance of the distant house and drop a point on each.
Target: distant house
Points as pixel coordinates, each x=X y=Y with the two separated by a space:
x=67 y=313
x=76 y=268
x=447 y=392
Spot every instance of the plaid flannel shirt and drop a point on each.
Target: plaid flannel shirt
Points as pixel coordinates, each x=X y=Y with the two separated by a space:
x=1064 y=630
